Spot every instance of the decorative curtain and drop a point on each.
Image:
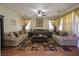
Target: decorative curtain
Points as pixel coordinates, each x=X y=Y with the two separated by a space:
x=25 y=24
x=75 y=23
x=61 y=24
x=76 y=11
x=52 y=21
x=67 y=22
x=56 y=23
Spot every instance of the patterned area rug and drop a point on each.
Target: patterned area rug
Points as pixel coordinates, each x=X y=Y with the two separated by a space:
x=51 y=45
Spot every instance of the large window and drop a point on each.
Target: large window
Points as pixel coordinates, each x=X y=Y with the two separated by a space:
x=50 y=26
x=28 y=25
x=75 y=24
x=61 y=25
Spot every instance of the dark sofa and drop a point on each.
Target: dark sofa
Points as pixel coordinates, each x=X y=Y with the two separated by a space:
x=40 y=31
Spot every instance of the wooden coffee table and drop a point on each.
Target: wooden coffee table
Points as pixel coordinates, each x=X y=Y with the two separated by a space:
x=39 y=38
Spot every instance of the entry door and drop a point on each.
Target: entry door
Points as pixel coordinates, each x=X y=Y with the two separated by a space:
x=1 y=33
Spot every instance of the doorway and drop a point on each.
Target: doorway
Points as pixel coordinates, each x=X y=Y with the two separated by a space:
x=1 y=32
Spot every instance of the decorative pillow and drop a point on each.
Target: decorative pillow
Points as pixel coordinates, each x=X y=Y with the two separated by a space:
x=11 y=34
x=16 y=34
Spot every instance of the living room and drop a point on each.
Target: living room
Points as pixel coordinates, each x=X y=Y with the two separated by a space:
x=39 y=29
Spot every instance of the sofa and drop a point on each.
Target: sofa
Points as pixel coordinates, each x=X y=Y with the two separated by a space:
x=40 y=31
x=66 y=40
x=14 y=38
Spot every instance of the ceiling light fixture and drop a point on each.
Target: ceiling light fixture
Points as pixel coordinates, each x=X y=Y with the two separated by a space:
x=41 y=13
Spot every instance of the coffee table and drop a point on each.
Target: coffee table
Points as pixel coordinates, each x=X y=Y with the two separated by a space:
x=39 y=38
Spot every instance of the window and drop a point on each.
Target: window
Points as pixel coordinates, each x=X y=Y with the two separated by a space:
x=50 y=26
x=61 y=25
x=28 y=26
x=77 y=23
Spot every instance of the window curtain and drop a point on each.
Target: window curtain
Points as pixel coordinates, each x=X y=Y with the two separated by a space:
x=67 y=22
x=52 y=21
x=75 y=23
x=56 y=23
x=76 y=11
x=61 y=24
x=27 y=27
x=25 y=23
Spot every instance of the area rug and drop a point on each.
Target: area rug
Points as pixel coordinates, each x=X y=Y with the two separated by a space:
x=51 y=45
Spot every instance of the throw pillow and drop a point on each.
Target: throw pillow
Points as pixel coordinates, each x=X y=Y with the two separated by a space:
x=16 y=34
x=11 y=34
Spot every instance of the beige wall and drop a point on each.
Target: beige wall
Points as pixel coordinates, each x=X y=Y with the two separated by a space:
x=12 y=22
x=45 y=24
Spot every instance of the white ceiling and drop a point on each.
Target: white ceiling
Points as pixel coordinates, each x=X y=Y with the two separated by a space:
x=51 y=9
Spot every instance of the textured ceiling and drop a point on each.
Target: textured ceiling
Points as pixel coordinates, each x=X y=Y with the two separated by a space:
x=51 y=9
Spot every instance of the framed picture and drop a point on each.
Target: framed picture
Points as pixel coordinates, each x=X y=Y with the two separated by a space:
x=39 y=22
